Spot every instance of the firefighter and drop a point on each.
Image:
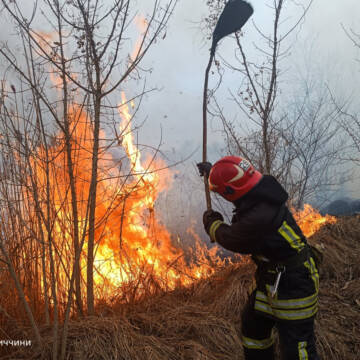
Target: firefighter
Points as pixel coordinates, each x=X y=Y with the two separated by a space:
x=287 y=279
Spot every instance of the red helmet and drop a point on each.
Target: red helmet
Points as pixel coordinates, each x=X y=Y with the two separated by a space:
x=232 y=177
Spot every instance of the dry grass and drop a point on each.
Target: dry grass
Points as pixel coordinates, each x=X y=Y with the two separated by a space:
x=203 y=322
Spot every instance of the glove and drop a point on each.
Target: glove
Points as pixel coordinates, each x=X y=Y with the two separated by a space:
x=204 y=168
x=212 y=220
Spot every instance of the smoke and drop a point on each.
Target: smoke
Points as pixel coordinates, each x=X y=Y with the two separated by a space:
x=342 y=207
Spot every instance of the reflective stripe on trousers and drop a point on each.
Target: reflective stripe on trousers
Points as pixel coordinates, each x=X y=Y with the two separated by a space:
x=292 y=309
x=303 y=354
x=256 y=343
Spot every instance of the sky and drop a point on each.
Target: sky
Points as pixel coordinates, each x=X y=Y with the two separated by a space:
x=174 y=113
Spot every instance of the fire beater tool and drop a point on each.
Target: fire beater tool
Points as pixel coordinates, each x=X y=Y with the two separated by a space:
x=234 y=16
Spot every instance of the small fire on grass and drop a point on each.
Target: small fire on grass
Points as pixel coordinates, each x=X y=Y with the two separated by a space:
x=310 y=220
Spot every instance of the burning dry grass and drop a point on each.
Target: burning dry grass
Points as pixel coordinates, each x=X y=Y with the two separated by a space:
x=203 y=320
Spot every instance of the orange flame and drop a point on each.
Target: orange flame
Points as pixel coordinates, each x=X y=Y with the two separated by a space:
x=310 y=220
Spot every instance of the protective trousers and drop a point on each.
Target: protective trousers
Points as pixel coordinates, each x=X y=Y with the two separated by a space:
x=297 y=339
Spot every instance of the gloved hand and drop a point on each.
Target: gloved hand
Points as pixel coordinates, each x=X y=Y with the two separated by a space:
x=204 y=168
x=209 y=217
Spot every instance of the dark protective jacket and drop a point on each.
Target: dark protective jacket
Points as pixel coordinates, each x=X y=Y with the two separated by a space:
x=263 y=226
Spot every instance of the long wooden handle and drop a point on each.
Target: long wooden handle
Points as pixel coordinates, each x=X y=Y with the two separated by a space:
x=205 y=102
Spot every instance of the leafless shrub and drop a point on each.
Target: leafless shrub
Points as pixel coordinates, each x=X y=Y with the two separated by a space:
x=59 y=99
x=298 y=141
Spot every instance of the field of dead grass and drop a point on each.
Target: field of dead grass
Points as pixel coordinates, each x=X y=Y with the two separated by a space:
x=203 y=321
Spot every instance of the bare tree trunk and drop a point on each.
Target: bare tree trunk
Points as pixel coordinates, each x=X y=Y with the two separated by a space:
x=41 y=133
x=39 y=212
x=92 y=209
x=67 y=134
